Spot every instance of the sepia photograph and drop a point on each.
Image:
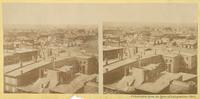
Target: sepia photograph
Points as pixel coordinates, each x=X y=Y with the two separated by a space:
x=48 y=48
x=135 y=49
x=151 y=49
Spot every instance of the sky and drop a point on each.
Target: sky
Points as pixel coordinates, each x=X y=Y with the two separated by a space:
x=95 y=13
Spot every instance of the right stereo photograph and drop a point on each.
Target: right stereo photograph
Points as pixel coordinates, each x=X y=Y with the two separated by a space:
x=152 y=51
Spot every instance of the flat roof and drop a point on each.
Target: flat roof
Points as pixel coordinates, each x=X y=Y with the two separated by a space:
x=65 y=68
x=121 y=63
x=33 y=66
x=190 y=42
x=151 y=66
x=109 y=48
x=188 y=53
x=83 y=56
x=28 y=68
x=168 y=54
x=176 y=50
x=25 y=50
x=6 y=54
x=18 y=51
x=12 y=67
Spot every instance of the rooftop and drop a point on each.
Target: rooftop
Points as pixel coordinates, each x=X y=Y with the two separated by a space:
x=25 y=50
x=192 y=42
x=109 y=48
x=33 y=66
x=151 y=66
x=188 y=53
x=36 y=87
x=83 y=56
x=187 y=76
x=7 y=54
x=20 y=51
x=169 y=54
x=65 y=68
x=74 y=85
x=121 y=63
x=28 y=68
x=160 y=84
x=130 y=82
x=180 y=83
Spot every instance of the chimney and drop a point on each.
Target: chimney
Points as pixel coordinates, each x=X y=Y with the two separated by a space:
x=20 y=62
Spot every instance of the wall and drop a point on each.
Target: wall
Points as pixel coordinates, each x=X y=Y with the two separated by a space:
x=116 y=74
x=93 y=66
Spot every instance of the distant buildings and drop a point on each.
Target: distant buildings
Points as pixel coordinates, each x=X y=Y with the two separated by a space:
x=20 y=56
x=50 y=60
x=161 y=59
x=189 y=44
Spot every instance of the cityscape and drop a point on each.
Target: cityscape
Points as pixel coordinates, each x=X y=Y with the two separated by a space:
x=131 y=49
x=150 y=58
x=51 y=59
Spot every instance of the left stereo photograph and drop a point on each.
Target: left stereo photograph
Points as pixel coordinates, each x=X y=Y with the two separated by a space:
x=49 y=48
